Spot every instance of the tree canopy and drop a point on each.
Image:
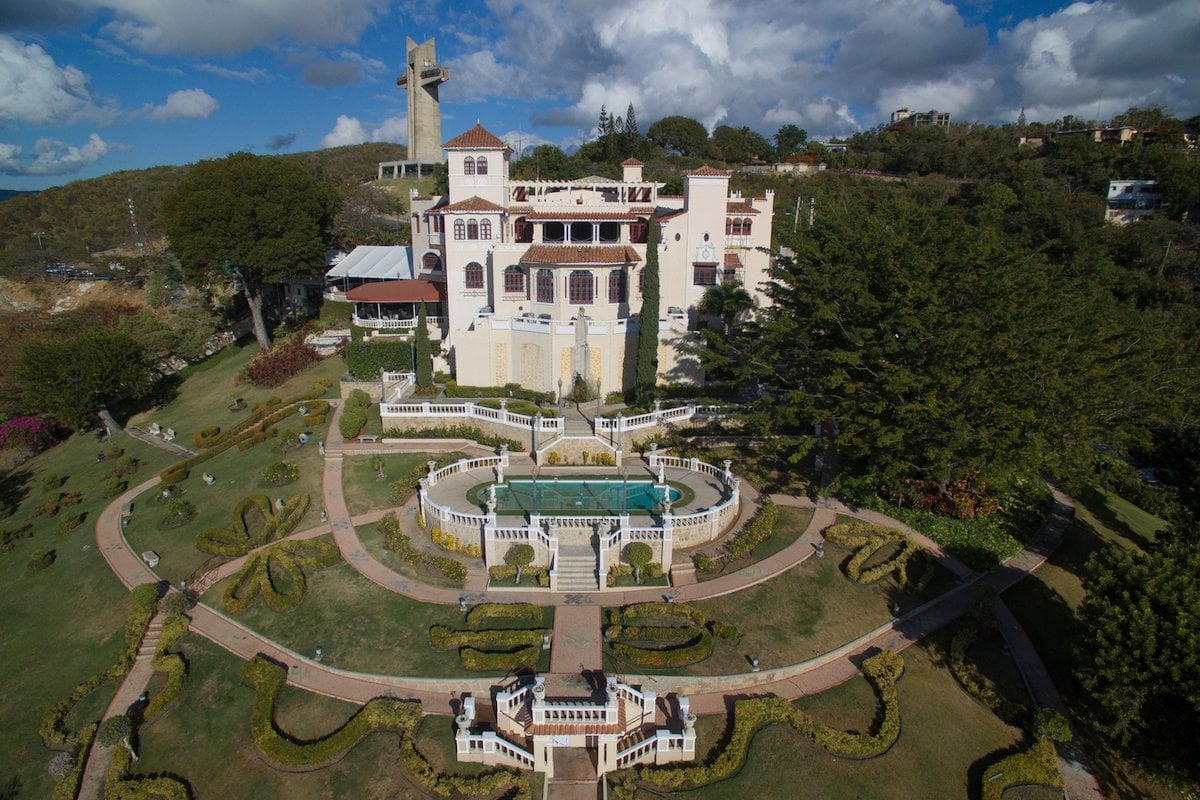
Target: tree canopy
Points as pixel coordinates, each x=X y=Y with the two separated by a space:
x=257 y=219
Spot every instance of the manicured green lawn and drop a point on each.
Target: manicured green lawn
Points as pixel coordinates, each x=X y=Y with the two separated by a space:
x=792 y=523
x=209 y=387
x=238 y=473
x=205 y=738
x=62 y=625
x=946 y=738
x=1046 y=603
x=809 y=610
x=366 y=492
x=373 y=541
x=361 y=626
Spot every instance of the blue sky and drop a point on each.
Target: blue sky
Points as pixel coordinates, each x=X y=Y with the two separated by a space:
x=89 y=87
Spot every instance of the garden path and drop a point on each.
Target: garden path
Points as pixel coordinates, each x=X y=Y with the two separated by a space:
x=709 y=694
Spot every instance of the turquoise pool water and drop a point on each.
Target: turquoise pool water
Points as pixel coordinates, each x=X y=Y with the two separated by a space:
x=610 y=496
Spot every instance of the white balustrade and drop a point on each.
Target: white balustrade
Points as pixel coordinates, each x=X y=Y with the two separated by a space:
x=500 y=416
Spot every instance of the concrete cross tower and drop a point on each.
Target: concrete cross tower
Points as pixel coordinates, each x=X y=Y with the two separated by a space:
x=421 y=78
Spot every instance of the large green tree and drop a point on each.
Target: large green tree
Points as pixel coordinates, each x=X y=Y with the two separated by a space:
x=423 y=351
x=257 y=219
x=937 y=347
x=680 y=135
x=1140 y=648
x=72 y=377
x=646 y=367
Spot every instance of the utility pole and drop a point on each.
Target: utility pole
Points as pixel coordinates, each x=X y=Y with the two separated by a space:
x=39 y=235
x=812 y=211
x=796 y=216
x=133 y=217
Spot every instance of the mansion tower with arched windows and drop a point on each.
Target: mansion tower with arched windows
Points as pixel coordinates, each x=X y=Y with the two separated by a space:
x=525 y=261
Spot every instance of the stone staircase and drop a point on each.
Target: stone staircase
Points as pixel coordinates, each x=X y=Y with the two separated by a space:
x=577 y=568
x=150 y=640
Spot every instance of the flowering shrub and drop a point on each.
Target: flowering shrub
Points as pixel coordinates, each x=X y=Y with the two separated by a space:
x=29 y=432
x=277 y=366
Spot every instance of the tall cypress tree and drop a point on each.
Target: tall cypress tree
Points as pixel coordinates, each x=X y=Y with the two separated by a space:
x=424 y=352
x=646 y=372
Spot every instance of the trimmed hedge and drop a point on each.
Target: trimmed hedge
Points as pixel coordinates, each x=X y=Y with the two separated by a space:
x=868 y=539
x=698 y=648
x=626 y=627
x=118 y=786
x=257 y=576
x=67 y=787
x=1037 y=766
x=498 y=649
x=519 y=611
x=399 y=543
x=170 y=664
x=207 y=437
x=453 y=389
x=1007 y=710
x=237 y=541
x=405 y=486
x=448 y=541
x=656 y=609
x=491 y=661
x=881 y=671
x=757 y=532
x=457 y=432
x=504 y=572
x=354 y=414
x=366 y=360
x=402 y=717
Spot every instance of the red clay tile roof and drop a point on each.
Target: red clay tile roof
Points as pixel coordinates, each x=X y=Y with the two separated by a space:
x=708 y=172
x=475 y=204
x=580 y=254
x=595 y=215
x=407 y=291
x=478 y=138
x=733 y=261
x=632 y=162
x=739 y=207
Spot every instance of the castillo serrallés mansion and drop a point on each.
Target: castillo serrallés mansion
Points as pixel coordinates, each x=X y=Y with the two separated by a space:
x=514 y=264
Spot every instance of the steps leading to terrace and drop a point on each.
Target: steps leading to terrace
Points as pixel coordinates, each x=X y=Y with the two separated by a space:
x=576 y=567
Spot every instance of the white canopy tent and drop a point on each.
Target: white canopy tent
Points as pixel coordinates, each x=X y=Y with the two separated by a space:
x=369 y=263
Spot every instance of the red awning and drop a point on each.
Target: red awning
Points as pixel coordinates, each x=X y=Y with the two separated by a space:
x=409 y=291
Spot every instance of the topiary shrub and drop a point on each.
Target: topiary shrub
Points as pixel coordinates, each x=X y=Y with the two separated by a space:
x=207 y=437
x=638 y=554
x=40 y=560
x=757 y=532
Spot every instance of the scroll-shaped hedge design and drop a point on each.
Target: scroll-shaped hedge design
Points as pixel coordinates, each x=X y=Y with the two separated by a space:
x=882 y=671
x=237 y=540
x=381 y=714
x=276 y=574
x=501 y=649
x=868 y=539
x=637 y=634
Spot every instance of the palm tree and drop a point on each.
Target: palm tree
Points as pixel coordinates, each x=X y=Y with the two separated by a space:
x=727 y=300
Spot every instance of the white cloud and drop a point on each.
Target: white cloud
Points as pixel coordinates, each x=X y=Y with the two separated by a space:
x=522 y=141
x=234 y=26
x=184 y=104
x=53 y=157
x=34 y=89
x=1094 y=60
x=252 y=75
x=350 y=130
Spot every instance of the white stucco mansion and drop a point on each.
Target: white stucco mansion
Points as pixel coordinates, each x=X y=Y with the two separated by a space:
x=520 y=267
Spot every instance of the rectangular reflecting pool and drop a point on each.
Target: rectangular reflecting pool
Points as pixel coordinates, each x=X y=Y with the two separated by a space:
x=611 y=496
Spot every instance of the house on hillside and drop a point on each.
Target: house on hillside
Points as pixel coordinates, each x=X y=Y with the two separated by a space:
x=542 y=280
x=1129 y=201
x=902 y=119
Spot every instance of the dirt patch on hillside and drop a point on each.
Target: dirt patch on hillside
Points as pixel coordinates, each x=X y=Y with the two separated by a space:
x=55 y=297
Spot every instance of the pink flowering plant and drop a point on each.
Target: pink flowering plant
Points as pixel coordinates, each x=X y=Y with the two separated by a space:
x=25 y=432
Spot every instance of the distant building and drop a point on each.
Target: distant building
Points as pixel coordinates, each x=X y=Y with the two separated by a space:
x=1129 y=201
x=1118 y=135
x=904 y=118
x=792 y=165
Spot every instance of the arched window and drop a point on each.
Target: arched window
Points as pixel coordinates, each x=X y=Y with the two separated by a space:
x=481 y=166
x=581 y=288
x=514 y=280
x=554 y=232
x=474 y=275
x=472 y=229
x=639 y=230
x=730 y=224
x=746 y=226
x=431 y=262
x=610 y=231
x=485 y=229
x=545 y=286
x=460 y=229
x=618 y=286
x=468 y=166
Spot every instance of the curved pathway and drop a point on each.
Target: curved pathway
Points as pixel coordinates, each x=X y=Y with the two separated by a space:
x=708 y=693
